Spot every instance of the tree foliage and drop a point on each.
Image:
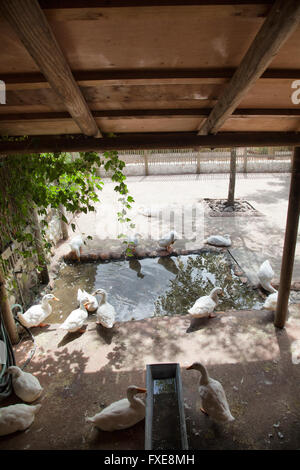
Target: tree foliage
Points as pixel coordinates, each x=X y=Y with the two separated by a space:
x=49 y=180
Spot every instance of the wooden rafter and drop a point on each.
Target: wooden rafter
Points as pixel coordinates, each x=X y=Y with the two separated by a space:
x=154 y=113
x=46 y=4
x=280 y=23
x=216 y=75
x=30 y=24
x=73 y=143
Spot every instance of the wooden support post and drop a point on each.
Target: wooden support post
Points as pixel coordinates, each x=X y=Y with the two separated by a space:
x=6 y=313
x=290 y=241
x=231 y=189
x=63 y=225
x=44 y=275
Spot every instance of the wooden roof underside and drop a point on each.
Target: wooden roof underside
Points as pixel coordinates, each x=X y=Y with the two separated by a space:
x=148 y=67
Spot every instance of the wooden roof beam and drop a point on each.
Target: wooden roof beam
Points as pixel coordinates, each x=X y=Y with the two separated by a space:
x=280 y=23
x=57 y=4
x=144 y=76
x=159 y=140
x=154 y=113
x=30 y=24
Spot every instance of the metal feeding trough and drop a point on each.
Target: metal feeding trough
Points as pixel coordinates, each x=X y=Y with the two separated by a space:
x=165 y=422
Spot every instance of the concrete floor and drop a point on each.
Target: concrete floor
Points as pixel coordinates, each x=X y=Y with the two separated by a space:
x=258 y=365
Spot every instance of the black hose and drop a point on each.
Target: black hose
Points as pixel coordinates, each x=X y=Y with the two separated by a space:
x=30 y=334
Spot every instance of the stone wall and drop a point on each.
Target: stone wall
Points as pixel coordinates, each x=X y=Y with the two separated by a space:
x=22 y=276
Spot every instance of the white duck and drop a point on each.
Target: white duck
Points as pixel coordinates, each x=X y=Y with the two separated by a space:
x=26 y=386
x=204 y=306
x=265 y=275
x=17 y=417
x=219 y=240
x=86 y=297
x=36 y=314
x=121 y=414
x=168 y=240
x=76 y=319
x=133 y=241
x=212 y=395
x=106 y=314
x=76 y=244
x=271 y=301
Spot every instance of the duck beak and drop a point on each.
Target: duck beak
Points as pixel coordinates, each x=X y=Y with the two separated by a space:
x=86 y=303
x=222 y=294
x=55 y=298
x=142 y=390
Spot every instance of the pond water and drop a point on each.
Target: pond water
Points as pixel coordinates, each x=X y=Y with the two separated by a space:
x=166 y=420
x=153 y=286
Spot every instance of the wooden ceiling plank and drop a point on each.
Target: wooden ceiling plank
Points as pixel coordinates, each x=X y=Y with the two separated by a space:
x=30 y=24
x=280 y=23
x=159 y=140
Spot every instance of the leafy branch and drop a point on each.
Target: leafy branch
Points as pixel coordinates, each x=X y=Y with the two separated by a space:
x=51 y=180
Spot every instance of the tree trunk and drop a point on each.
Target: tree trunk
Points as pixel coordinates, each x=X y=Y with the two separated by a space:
x=63 y=225
x=146 y=157
x=230 y=199
x=44 y=275
x=6 y=313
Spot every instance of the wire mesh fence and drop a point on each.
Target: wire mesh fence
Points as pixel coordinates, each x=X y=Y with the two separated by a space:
x=192 y=161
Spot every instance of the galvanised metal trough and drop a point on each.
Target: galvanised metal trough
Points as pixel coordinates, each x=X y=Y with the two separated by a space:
x=165 y=427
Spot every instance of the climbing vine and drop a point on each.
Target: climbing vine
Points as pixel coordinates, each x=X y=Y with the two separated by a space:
x=38 y=182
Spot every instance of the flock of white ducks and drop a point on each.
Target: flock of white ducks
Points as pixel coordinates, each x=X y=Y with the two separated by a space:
x=128 y=411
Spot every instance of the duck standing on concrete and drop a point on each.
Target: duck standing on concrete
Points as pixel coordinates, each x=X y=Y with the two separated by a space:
x=92 y=303
x=74 y=322
x=271 y=301
x=212 y=396
x=204 y=306
x=168 y=240
x=26 y=386
x=17 y=417
x=265 y=275
x=121 y=414
x=106 y=314
x=76 y=244
x=219 y=240
x=133 y=241
x=36 y=314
